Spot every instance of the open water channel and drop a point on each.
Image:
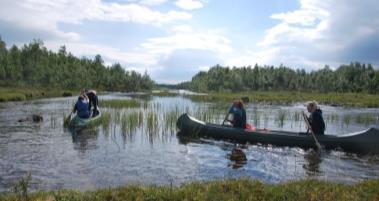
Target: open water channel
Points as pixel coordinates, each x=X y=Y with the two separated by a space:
x=139 y=145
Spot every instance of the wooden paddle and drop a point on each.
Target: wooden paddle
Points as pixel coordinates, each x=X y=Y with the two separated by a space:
x=223 y=122
x=310 y=128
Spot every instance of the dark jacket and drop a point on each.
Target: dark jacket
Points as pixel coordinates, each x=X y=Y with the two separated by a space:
x=239 y=117
x=81 y=107
x=317 y=122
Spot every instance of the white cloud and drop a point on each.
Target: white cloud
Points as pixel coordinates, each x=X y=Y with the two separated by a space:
x=44 y=15
x=153 y=2
x=319 y=33
x=185 y=38
x=189 y=4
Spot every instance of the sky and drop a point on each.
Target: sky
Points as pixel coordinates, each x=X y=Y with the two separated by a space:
x=172 y=40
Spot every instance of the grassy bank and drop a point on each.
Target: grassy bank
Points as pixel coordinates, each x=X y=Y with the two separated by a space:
x=284 y=97
x=241 y=189
x=21 y=94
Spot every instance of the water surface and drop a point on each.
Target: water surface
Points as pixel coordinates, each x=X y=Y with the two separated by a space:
x=140 y=146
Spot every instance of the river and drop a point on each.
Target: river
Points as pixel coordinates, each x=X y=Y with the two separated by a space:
x=140 y=145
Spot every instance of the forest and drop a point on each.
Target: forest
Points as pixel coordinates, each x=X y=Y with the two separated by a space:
x=355 y=77
x=33 y=65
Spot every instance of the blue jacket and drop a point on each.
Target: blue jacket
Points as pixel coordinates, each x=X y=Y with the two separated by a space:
x=239 y=115
x=81 y=106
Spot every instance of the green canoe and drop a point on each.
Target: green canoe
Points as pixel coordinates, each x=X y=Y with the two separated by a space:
x=80 y=123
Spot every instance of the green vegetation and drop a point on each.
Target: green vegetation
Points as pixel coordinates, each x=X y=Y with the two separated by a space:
x=285 y=97
x=35 y=66
x=234 y=189
x=18 y=94
x=354 y=78
x=120 y=103
x=164 y=93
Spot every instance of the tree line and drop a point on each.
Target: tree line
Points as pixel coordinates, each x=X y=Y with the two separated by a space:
x=355 y=77
x=33 y=65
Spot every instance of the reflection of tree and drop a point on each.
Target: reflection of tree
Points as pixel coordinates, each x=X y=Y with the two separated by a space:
x=84 y=139
x=313 y=166
x=237 y=157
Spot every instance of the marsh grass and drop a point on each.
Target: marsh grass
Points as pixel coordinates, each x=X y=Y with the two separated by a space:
x=152 y=122
x=170 y=120
x=164 y=93
x=105 y=120
x=20 y=189
x=346 y=120
x=26 y=93
x=231 y=189
x=281 y=117
x=256 y=117
x=332 y=118
x=286 y=97
x=120 y=103
x=130 y=122
x=366 y=119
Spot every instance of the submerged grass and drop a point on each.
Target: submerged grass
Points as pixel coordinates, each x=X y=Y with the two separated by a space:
x=120 y=103
x=234 y=189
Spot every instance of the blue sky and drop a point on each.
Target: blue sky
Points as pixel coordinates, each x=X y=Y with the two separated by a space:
x=174 y=39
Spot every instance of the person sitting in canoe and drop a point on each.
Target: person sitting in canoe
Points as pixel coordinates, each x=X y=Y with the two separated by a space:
x=91 y=94
x=237 y=110
x=81 y=106
x=315 y=119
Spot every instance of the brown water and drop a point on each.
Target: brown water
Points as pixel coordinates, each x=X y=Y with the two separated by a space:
x=147 y=151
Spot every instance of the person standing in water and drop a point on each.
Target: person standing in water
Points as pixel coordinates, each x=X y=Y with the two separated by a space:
x=93 y=101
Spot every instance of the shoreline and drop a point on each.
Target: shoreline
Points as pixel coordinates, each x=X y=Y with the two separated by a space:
x=364 y=100
x=9 y=94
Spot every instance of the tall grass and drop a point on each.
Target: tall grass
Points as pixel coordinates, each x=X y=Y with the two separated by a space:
x=281 y=117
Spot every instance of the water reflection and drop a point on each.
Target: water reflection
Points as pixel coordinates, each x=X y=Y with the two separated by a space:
x=237 y=158
x=85 y=139
x=313 y=159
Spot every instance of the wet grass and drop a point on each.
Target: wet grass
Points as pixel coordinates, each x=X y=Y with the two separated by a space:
x=233 y=189
x=284 y=97
x=105 y=120
x=131 y=121
x=120 y=103
x=22 y=94
x=346 y=120
x=367 y=119
x=281 y=117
